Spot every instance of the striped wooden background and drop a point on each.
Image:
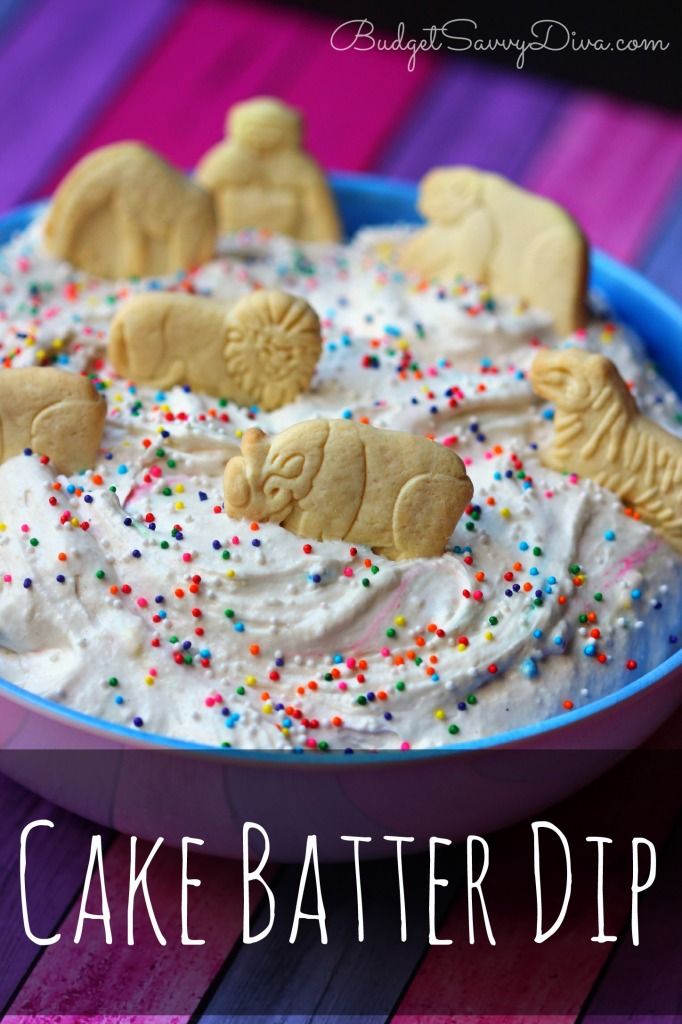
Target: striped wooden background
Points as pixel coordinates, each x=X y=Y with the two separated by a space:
x=78 y=73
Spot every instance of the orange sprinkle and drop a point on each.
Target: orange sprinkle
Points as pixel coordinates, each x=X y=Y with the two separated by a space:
x=254 y=526
x=62 y=556
x=562 y=599
x=179 y=592
x=337 y=721
x=432 y=627
x=420 y=641
x=254 y=649
x=97 y=479
x=312 y=685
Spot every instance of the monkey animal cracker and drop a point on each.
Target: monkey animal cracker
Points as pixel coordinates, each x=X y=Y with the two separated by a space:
x=261 y=177
x=490 y=230
x=58 y=414
x=262 y=351
x=600 y=433
x=335 y=480
x=123 y=211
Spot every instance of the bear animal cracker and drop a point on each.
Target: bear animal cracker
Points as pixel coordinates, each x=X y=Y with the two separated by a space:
x=58 y=414
x=332 y=479
x=261 y=177
x=600 y=433
x=262 y=351
x=123 y=211
x=488 y=229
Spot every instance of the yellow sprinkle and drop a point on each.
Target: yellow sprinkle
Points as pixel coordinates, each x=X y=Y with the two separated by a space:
x=179 y=505
x=505 y=513
x=285 y=732
x=179 y=488
x=149 y=680
x=267 y=708
x=440 y=714
x=3 y=526
x=399 y=620
x=488 y=635
x=461 y=647
x=74 y=521
x=251 y=680
x=30 y=342
x=40 y=353
x=230 y=573
x=239 y=433
x=403 y=344
x=58 y=343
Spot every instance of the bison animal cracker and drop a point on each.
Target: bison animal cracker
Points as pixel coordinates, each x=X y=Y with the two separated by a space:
x=123 y=211
x=58 y=414
x=261 y=177
x=490 y=230
x=261 y=351
x=337 y=480
x=600 y=433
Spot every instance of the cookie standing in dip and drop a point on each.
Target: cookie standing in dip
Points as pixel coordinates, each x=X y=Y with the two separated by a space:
x=127 y=593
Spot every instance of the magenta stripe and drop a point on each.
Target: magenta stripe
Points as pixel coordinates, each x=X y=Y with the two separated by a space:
x=56 y=69
x=472 y=114
x=221 y=52
x=613 y=165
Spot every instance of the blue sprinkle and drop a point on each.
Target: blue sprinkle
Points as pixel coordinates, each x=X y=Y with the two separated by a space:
x=559 y=641
x=88 y=499
x=27 y=583
x=590 y=650
x=609 y=535
x=137 y=721
x=533 y=571
x=216 y=545
x=548 y=414
x=203 y=496
x=60 y=578
x=255 y=543
x=537 y=633
x=28 y=451
x=122 y=469
x=635 y=594
x=530 y=668
x=118 y=699
x=239 y=627
x=523 y=546
x=347 y=414
x=135 y=553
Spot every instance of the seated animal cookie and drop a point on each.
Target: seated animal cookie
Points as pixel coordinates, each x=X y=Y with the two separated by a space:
x=488 y=229
x=262 y=178
x=337 y=480
x=600 y=433
x=263 y=351
x=55 y=413
x=123 y=211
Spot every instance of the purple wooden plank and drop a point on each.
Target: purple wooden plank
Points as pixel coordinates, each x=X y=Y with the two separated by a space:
x=57 y=68
x=475 y=115
x=56 y=866
x=661 y=256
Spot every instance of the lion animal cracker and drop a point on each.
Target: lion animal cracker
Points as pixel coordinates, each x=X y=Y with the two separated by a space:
x=262 y=351
x=58 y=414
x=123 y=211
x=261 y=177
x=600 y=433
x=331 y=479
x=486 y=228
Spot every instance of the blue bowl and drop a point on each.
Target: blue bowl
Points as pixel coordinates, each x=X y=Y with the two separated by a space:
x=175 y=792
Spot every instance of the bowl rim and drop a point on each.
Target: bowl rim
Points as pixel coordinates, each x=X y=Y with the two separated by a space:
x=611 y=273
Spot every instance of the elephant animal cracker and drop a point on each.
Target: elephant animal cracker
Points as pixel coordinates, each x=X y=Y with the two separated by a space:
x=335 y=480
x=600 y=433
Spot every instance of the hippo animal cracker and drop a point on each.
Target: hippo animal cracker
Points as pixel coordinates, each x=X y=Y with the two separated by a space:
x=336 y=480
x=600 y=433
x=262 y=351
x=521 y=245
x=123 y=211
x=57 y=414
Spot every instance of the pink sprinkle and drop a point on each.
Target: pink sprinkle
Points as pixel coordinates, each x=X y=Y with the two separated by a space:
x=351 y=662
x=450 y=440
x=348 y=571
x=186 y=557
x=478 y=595
x=468 y=461
x=142 y=602
x=155 y=471
x=549 y=494
x=573 y=478
x=153 y=672
x=235 y=540
x=23 y=264
x=25 y=527
x=310 y=742
x=209 y=702
x=7 y=578
x=342 y=685
x=404 y=745
x=385 y=652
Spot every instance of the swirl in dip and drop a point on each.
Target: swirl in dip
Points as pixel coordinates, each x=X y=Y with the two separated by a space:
x=128 y=594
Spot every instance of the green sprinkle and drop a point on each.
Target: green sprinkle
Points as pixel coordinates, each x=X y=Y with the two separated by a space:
x=167 y=492
x=390 y=632
x=374 y=570
x=171 y=463
x=229 y=613
x=241 y=691
x=34 y=542
x=113 y=681
x=598 y=596
x=472 y=699
x=582 y=617
x=493 y=620
x=323 y=745
x=226 y=555
x=172 y=639
x=100 y=574
x=365 y=582
x=160 y=452
x=400 y=685
x=537 y=551
x=453 y=729
x=470 y=526
x=165 y=545
x=361 y=700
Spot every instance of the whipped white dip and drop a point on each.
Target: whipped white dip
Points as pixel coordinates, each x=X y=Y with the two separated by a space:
x=142 y=603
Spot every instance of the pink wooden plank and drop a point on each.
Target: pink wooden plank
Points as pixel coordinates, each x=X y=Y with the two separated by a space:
x=93 y=978
x=613 y=164
x=222 y=52
x=559 y=975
